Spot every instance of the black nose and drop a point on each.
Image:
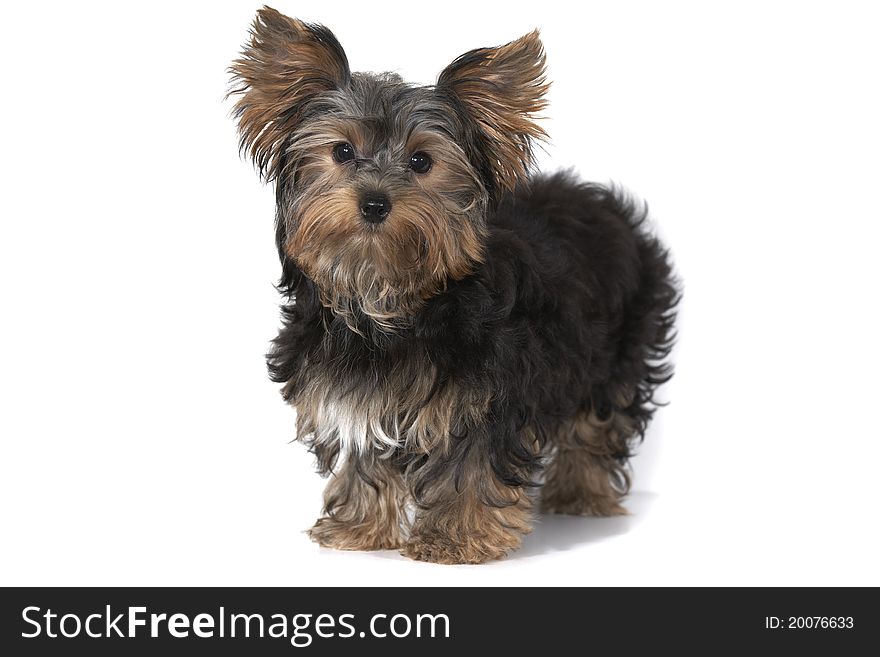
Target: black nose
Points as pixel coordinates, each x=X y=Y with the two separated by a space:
x=375 y=208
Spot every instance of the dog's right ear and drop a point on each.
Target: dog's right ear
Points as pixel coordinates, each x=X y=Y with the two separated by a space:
x=286 y=63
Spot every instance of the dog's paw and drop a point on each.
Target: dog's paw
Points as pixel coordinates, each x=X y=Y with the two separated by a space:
x=332 y=533
x=439 y=549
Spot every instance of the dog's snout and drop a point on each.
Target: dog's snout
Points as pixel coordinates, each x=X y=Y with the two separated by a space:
x=375 y=207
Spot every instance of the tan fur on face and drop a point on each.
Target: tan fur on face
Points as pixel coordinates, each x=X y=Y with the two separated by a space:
x=503 y=89
x=582 y=477
x=384 y=270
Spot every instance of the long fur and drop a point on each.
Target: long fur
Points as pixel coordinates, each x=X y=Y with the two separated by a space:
x=571 y=311
x=501 y=330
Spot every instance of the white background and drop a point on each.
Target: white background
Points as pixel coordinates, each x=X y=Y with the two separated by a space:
x=142 y=443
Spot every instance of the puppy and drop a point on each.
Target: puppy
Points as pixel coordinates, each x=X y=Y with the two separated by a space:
x=464 y=340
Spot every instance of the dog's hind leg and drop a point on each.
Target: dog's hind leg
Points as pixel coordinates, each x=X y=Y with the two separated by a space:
x=585 y=471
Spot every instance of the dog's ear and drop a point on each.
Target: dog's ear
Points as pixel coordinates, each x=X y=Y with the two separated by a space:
x=285 y=63
x=502 y=89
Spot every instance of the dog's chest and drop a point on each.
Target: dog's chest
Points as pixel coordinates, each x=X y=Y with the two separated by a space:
x=356 y=426
x=405 y=410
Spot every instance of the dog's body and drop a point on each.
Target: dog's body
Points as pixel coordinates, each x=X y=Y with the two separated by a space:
x=460 y=331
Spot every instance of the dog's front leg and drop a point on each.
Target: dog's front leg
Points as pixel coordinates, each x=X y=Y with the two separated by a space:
x=465 y=514
x=363 y=507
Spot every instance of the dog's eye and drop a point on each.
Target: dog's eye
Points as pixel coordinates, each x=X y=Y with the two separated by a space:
x=343 y=152
x=420 y=162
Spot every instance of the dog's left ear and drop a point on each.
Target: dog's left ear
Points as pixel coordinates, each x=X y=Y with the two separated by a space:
x=502 y=89
x=286 y=63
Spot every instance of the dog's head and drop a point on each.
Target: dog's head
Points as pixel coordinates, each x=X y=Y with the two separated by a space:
x=382 y=186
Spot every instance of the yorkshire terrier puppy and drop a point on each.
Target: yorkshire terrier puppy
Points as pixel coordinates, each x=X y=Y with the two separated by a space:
x=464 y=340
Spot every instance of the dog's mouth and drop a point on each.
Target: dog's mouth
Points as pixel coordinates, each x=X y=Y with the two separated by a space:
x=373 y=230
